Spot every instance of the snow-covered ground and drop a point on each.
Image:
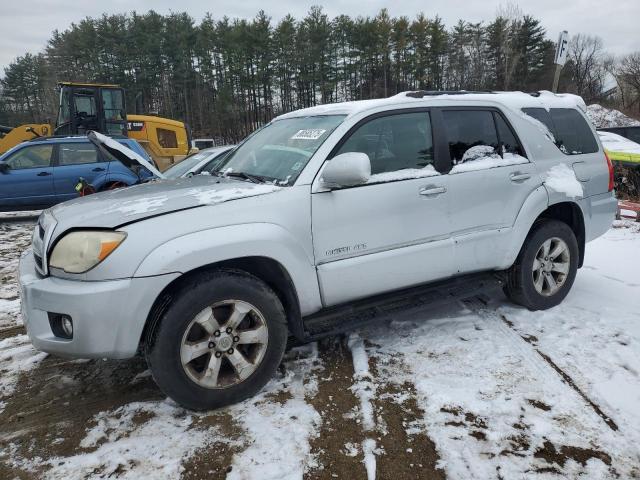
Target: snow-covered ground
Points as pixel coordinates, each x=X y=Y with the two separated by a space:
x=478 y=389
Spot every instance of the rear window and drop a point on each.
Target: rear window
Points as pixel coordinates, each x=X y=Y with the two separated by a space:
x=572 y=134
x=471 y=132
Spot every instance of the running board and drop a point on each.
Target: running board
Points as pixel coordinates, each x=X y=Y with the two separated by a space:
x=342 y=318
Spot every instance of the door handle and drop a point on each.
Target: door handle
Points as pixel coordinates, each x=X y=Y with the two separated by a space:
x=432 y=191
x=43 y=174
x=519 y=177
x=98 y=169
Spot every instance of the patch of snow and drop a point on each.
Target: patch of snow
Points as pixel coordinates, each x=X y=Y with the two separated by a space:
x=603 y=117
x=279 y=434
x=138 y=206
x=154 y=448
x=562 y=179
x=364 y=388
x=17 y=356
x=485 y=162
x=369 y=451
x=617 y=143
x=210 y=197
x=405 y=174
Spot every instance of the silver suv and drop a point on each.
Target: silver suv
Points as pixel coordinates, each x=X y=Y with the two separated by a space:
x=324 y=219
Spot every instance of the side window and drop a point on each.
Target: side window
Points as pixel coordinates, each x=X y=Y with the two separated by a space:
x=77 y=154
x=167 y=138
x=570 y=130
x=471 y=134
x=573 y=135
x=508 y=141
x=36 y=156
x=394 y=142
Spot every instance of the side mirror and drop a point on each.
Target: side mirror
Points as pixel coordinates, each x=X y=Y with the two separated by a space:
x=346 y=170
x=4 y=167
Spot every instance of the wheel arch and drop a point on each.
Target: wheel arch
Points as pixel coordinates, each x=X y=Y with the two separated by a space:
x=270 y=271
x=571 y=214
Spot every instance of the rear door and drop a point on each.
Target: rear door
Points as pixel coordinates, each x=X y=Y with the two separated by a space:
x=489 y=182
x=29 y=179
x=75 y=160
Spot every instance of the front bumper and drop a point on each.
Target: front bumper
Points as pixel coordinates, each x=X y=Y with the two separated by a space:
x=108 y=316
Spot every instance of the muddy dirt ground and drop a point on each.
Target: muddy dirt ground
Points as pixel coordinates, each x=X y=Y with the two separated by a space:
x=479 y=389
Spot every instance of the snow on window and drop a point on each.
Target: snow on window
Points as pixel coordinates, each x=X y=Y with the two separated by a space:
x=562 y=179
x=482 y=157
x=405 y=174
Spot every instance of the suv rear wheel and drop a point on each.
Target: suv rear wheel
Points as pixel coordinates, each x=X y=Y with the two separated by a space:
x=545 y=269
x=219 y=342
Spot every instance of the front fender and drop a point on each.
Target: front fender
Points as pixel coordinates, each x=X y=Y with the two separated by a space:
x=198 y=249
x=536 y=203
x=121 y=177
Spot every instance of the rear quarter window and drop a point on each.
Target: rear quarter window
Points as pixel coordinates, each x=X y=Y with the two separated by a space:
x=572 y=133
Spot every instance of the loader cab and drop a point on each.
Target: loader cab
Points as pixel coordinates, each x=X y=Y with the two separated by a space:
x=84 y=107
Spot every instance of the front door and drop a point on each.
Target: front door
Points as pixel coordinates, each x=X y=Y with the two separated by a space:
x=28 y=181
x=392 y=232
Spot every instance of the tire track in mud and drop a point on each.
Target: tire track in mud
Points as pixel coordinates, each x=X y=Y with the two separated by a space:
x=336 y=450
x=565 y=377
x=530 y=341
x=403 y=455
x=12 y=332
x=403 y=450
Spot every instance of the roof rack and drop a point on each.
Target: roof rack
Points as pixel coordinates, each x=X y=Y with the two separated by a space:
x=433 y=93
x=39 y=139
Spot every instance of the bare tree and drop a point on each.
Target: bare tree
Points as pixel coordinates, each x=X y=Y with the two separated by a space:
x=627 y=75
x=586 y=64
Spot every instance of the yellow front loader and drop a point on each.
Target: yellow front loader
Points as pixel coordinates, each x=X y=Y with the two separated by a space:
x=10 y=137
x=101 y=107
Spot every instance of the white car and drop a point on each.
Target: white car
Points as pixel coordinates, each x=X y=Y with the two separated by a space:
x=198 y=162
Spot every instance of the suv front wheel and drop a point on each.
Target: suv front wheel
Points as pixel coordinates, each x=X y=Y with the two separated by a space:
x=219 y=342
x=545 y=269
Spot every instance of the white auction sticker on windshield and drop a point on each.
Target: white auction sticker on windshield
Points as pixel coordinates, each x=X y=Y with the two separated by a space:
x=308 y=134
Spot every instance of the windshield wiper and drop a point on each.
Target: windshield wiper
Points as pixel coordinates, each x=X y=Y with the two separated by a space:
x=246 y=176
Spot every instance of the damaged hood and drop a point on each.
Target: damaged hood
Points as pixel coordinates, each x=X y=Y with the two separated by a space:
x=127 y=205
x=124 y=155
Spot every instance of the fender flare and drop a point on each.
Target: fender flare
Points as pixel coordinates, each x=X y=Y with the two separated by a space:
x=206 y=247
x=536 y=203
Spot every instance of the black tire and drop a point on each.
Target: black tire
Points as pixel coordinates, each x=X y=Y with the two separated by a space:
x=520 y=280
x=206 y=289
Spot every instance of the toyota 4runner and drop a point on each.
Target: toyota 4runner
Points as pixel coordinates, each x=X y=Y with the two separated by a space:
x=323 y=219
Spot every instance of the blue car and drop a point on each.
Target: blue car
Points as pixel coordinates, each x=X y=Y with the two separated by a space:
x=43 y=172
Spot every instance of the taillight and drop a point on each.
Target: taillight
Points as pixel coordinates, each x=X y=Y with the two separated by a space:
x=610 y=166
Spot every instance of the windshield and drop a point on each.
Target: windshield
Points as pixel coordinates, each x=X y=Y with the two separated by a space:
x=187 y=164
x=279 y=151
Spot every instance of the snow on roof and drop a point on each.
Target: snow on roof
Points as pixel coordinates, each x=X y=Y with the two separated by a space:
x=513 y=100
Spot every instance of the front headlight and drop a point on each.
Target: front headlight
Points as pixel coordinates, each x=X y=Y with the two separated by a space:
x=80 y=251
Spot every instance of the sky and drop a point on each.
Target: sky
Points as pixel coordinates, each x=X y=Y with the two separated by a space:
x=25 y=26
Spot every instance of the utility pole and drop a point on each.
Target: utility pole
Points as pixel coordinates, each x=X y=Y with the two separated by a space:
x=560 y=58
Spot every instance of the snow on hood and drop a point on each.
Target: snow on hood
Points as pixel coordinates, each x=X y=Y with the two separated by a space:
x=125 y=155
x=116 y=207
